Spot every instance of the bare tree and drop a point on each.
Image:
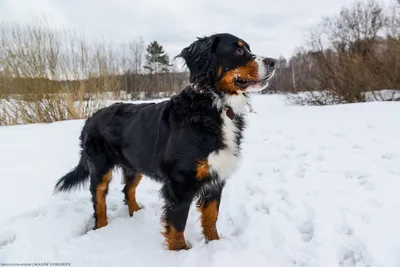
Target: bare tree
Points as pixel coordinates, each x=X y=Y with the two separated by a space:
x=349 y=57
x=138 y=51
x=344 y=48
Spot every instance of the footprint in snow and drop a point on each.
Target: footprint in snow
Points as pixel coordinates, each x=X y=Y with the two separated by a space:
x=300 y=172
x=262 y=207
x=307 y=231
x=290 y=147
x=7 y=239
x=255 y=190
x=365 y=183
x=320 y=157
x=284 y=194
x=238 y=224
x=387 y=156
x=347 y=229
x=354 y=255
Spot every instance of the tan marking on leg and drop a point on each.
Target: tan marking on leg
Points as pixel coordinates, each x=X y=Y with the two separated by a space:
x=131 y=194
x=209 y=216
x=101 y=207
x=174 y=240
x=202 y=170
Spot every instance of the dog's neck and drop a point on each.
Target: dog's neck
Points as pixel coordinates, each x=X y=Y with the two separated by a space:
x=231 y=104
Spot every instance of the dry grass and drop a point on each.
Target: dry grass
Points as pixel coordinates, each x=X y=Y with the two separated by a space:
x=45 y=74
x=48 y=75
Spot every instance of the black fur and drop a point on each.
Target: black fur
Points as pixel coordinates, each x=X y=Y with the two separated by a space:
x=74 y=178
x=165 y=140
x=204 y=56
x=201 y=59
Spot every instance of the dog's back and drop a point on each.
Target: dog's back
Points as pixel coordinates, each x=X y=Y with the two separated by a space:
x=129 y=134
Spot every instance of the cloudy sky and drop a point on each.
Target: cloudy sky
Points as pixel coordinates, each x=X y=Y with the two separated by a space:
x=272 y=27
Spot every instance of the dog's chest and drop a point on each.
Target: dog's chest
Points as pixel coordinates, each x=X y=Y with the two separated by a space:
x=223 y=162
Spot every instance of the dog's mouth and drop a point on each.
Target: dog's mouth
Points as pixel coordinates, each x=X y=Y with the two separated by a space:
x=243 y=83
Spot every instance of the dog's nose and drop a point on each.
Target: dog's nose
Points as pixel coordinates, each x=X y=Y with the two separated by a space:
x=270 y=62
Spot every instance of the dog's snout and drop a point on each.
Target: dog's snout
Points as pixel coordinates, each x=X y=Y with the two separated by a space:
x=269 y=62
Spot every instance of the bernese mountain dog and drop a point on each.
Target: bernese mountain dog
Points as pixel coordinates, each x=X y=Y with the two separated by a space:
x=190 y=143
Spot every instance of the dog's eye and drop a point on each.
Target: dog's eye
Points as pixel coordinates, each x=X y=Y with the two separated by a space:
x=239 y=51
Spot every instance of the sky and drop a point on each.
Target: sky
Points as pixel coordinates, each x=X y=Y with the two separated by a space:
x=272 y=28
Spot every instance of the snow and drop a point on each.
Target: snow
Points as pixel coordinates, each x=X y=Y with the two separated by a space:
x=383 y=95
x=318 y=186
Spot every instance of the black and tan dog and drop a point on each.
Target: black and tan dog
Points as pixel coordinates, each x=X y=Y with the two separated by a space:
x=190 y=143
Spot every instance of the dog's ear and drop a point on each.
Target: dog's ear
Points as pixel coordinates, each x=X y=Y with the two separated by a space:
x=202 y=61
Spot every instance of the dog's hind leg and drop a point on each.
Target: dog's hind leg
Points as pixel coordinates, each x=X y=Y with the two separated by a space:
x=99 y=188
x=132 y=180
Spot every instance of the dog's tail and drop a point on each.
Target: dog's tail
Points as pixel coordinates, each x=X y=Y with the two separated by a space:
x=74 y=178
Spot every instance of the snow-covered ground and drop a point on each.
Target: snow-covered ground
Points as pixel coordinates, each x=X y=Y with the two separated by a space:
x=319 y=186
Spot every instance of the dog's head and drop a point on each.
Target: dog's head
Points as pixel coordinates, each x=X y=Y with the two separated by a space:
x=225 y=62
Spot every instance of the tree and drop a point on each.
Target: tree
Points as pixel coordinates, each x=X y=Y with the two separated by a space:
x=156 y=59
x=348 y=57
x=136 y=48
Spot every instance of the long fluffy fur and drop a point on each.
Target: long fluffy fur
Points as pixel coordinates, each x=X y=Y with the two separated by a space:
x=75 y=178
x=202 y=62
x=190 y=143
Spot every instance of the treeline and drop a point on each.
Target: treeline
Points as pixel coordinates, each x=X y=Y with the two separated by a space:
x=149 y=70
x=38 y=60
x=47 y=74
x=346 y=57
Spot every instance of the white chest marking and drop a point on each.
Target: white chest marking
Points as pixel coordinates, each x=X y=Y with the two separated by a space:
x=225 y=161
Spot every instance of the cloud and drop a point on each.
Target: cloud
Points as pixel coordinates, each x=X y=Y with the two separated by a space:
x=272 y=28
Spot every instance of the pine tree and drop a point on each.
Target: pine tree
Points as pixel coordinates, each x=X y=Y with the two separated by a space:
x=157 y=59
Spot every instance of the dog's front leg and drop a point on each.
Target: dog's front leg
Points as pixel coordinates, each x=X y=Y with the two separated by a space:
x=175 y=213
x=208 y=205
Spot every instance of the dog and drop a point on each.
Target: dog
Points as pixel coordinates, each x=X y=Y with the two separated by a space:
x=190 y=143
